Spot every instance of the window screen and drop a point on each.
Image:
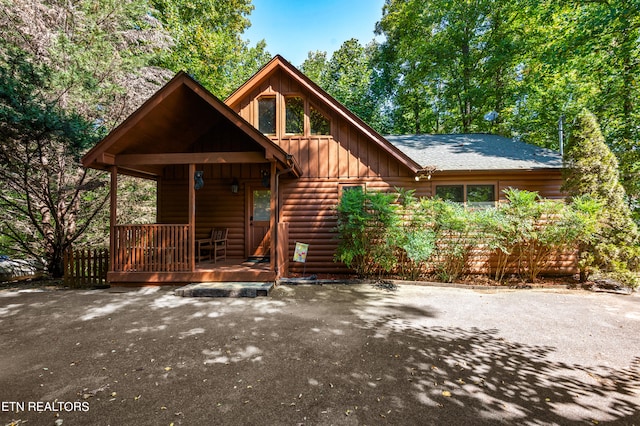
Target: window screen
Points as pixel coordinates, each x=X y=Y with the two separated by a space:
x=481 y=195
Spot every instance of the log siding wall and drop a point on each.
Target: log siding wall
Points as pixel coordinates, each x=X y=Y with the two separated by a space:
x=345 y=157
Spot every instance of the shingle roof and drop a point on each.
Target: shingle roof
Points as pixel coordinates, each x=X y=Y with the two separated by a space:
x=475 y=152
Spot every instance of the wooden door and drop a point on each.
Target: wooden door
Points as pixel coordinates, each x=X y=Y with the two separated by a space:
x=259 y=222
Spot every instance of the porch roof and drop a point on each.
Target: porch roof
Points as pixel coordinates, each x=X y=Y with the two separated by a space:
x=184 y=123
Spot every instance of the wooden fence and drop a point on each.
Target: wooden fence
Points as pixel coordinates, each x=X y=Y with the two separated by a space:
x=86 y=268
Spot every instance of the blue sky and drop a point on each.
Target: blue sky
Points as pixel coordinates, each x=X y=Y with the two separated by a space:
x=292 y=28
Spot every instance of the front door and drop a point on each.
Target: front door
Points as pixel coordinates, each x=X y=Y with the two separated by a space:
x=259 y=222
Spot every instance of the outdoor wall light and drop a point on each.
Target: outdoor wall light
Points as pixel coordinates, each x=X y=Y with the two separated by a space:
x=198 y=180
x=235 y=186
x=266 y=178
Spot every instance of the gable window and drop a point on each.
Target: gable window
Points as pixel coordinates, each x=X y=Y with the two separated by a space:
x=320 y=125
x=290 y=115
x=294 y=108
x=472 y=195
x=267 y=115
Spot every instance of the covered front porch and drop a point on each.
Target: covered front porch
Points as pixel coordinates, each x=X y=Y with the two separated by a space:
x=212 y=170
x=161 y=254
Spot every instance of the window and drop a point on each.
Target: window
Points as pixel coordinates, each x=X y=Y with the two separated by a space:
x=290 y=115
x=481 y=195
x=320 y=125
x=267 y=115
x=472 y=195
x=344 y=187
x=294 y=108
x=453 y=193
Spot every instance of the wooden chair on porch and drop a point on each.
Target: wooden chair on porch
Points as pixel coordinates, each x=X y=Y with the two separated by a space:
x=214 y=247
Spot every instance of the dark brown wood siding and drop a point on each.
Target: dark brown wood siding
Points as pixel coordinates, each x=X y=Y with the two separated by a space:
x=346 y=153
x=347 y=157
x=307 y=205
x=216 y=205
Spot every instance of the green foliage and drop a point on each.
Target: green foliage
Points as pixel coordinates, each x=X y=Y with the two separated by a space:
x=473 y=50
x=416 y=240
x=501 y=233
x=379 y=231
x=42 y=187
x=348 y=76
x=592 y=171
x=456 y=234
x=367 y=226
x=207 y=43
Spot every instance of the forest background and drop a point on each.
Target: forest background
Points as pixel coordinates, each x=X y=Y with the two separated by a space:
x=70 y=71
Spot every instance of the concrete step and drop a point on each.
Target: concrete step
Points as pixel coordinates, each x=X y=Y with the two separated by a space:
x=225 y=289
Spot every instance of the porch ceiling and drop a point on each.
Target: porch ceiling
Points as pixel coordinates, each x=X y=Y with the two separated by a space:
x=181 y=124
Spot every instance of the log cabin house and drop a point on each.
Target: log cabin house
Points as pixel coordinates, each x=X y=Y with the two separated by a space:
x=268 y=165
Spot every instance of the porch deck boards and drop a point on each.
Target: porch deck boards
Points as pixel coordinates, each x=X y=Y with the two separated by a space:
x=230 y=270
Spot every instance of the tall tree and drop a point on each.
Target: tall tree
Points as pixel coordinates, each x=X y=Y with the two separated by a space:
x=69 y=72
x=347 y=76
x=591 y=169
x=207 y=42
x=452 y=62
x=606 y=34
x=42 y=189
x=97 y=52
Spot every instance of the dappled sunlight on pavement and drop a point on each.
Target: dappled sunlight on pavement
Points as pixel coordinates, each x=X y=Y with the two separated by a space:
x=335 y=354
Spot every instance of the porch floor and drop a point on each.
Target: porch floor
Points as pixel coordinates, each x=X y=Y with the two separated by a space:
x=230 y=270
x=230 y=265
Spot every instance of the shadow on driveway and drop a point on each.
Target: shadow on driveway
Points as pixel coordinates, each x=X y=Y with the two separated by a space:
x=341 y=355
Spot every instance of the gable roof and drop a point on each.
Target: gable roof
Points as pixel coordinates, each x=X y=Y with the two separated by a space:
x=278 y=62
x=177 y=114
x=475 y=152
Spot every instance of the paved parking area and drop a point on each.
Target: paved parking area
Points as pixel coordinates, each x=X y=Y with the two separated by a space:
x=320 y=355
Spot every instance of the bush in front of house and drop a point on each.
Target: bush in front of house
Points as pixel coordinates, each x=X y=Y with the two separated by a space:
x=368 y=223
x=396 y=232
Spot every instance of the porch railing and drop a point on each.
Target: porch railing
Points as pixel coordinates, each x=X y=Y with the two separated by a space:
x=151 y=248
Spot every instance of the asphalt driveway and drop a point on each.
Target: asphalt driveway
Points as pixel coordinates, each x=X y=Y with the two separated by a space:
x=320 y=355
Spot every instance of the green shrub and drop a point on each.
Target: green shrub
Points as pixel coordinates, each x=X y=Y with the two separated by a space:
x=416 y=239
x=455 y=233
x=367 y=227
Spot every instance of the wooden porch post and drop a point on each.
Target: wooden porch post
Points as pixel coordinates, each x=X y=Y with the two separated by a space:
x=113 y=216
x=273 y=220
x=192 y=217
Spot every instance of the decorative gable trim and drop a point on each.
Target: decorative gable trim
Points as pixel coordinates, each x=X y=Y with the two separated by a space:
x=97 y=157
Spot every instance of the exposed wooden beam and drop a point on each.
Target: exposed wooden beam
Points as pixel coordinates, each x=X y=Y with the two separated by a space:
x=190 y=158
x=106 y=158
